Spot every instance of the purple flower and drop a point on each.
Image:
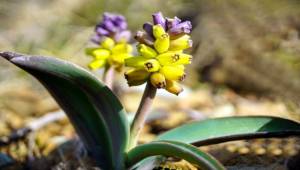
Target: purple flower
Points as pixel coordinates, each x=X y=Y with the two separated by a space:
x=113 y=26
x=172 y=22
x=158 y=18
x=101 y=31
x=122 y=36
x=148 y=27
x=180 y=28
x=173 y=26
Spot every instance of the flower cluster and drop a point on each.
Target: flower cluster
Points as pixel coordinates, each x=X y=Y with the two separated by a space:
x=112 y=36
x=161 y=59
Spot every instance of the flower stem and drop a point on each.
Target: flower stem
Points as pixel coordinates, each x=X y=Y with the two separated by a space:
x=141 y=114
x=109 y=77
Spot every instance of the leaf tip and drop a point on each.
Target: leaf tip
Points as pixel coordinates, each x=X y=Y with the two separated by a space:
x=8 y=55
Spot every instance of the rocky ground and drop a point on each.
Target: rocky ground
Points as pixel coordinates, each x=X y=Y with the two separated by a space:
x=45 y=148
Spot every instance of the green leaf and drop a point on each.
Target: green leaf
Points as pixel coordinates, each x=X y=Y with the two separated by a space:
x=95 y=112
x=213 y=131
x=173 y=149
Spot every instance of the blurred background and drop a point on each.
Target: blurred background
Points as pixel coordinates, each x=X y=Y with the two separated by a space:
x=246 y=55
x=249 y=46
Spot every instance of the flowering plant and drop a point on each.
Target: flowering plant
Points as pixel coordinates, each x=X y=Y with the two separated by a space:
x=111 y=37
x=100 y=120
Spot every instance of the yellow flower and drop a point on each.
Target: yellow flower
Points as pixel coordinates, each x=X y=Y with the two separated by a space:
x=162 y=64
x=109 y=53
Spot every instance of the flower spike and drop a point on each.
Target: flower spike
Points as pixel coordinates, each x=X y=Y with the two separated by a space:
x=111 y=36
x=161 y=53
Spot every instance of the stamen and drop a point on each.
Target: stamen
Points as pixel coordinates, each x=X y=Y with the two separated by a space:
x=149 y=65
x=165 y=36
x=175 y=57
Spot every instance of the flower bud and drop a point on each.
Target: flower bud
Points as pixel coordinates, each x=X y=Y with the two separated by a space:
x=158 y=18
x=108 y=43
x=143 y=38
x=162 y=43
x=137 y=62
x=158 y=80
x=174 y=58
x=152 y=65
x=158 y=31
x=118 y=59
x=97 y=64
x=101 y=31
x=148 y=27
x=122 y=36
x=181 y=28
x=173 y=87
x=146 y=51
x=98 y=53
x=181 y=43
x=136 y=77
x=172 y=22
x=121 y=48
x=173 y=72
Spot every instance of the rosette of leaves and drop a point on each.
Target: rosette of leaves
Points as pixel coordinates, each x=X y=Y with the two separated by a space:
x=100 y=120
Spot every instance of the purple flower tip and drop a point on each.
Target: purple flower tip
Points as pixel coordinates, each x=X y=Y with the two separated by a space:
x=172 y=22
x=148 y=27
x=174 y=26
x=123 y=36
x=158 y=18
x=112 y=25
x=181 y=28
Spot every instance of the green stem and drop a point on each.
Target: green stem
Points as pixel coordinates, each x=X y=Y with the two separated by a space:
x=141 y=114
x=108 y=77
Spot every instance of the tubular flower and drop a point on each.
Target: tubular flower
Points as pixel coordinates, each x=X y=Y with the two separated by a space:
x=161 y=59
x=111 y=37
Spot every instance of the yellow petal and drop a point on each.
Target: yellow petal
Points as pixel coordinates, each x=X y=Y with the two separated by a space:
x=174 y=58
x=136 y=77
x=173 y=72
x=162 y=43
x=108 y=43
x=137 y=62
x=152 y=65
x=121 y=48
x=158 y=31
x=96 y=64
x=173 y=87
x=101 y=54
x=117 y=59
x=158 y=80
x=181 y=43
x=98 y=53
x=146 y=51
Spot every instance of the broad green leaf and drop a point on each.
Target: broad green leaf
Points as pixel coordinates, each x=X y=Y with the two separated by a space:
x=95 y=112
x=173 y=149
x=225 y=129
